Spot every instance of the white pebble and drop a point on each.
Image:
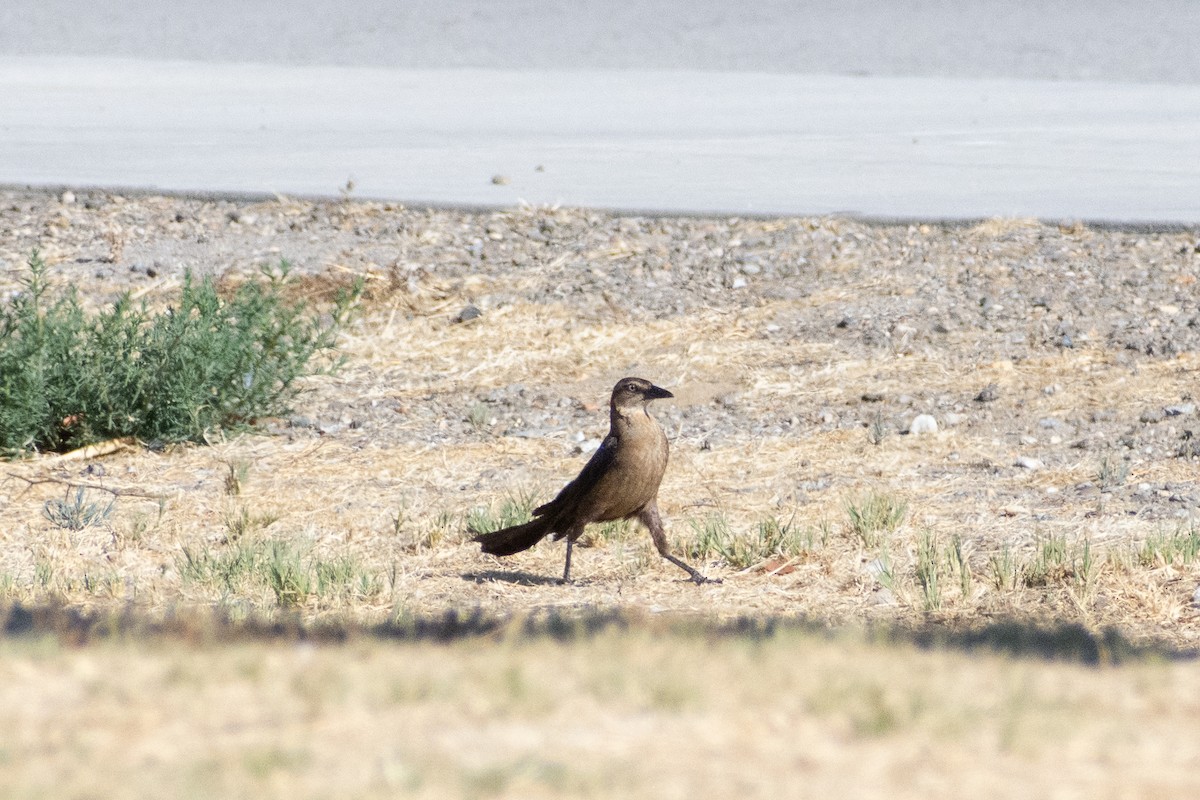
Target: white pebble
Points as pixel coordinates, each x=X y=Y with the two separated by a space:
x=922 y=423
x=1025 y=462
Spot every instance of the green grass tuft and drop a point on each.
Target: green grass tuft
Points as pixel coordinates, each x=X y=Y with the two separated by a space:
x=714 y=538
x=515 y=509
x=873 y=515
x=75 y=514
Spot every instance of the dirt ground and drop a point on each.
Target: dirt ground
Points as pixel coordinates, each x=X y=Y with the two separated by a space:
x=1058 y=364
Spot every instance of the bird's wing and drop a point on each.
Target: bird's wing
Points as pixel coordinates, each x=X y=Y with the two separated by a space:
x=600 y=462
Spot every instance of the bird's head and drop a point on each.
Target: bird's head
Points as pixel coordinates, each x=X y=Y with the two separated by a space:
x=633 y=392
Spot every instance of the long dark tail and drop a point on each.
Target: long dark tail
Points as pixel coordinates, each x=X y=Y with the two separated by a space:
x=507 y=541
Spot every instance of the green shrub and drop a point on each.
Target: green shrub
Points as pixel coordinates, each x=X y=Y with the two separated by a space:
x=68 y=378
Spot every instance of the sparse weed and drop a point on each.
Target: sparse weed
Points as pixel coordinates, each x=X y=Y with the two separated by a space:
x=711 y=537
x=289 y=569
x=478 y=416
x=1181 y=545
x=714 y=538
x=287 y=575
x=240 y=521
x=76 y=514
x=1112 y=472
x=105 y=584
x=881 y=567
x=340 y=575
x=1050 y=562
x=1005 y=571
x=873 y=515
x=876 y=430
x=960 y=564
x=515 y=509
x=1084 y=568
x=236 y=477
x=43 y=572
x=231 y=567
x=442 y=529
x=930 y=570
x=615 y=531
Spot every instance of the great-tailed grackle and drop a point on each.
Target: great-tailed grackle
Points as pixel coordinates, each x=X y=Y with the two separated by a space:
x=619 y=482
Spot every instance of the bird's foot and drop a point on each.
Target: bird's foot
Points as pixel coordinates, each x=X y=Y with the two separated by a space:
x=699 y=579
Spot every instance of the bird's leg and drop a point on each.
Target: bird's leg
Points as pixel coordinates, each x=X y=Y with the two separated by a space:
x=650 y=518
x=566 y=578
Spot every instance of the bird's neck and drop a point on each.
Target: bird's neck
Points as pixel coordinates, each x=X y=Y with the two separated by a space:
x=626 y=416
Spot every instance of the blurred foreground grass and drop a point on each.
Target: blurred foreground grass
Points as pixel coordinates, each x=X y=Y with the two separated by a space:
x=588 y=705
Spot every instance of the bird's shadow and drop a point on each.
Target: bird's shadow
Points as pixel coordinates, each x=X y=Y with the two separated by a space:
x=506 y=576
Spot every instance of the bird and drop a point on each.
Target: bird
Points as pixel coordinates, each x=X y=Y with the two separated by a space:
x=620 y=481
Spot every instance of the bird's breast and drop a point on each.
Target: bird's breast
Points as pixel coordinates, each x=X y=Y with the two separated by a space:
x=639 y=464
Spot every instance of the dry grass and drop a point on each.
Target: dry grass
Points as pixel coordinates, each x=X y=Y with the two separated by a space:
x=399 y=510
x=653 y=710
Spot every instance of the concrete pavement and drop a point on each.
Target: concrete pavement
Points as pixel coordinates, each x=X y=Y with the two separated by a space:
x=967 y=135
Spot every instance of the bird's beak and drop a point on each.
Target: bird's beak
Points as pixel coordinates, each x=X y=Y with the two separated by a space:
x=657 y=393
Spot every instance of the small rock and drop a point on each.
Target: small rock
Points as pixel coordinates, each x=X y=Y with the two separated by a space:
x=587 y=446
x=468 y=313
x=67 y=197
x=1181 y=410
x=988 y=393
x=1151 y=415
x=872 y=397
x=1029 y=463
x=922 y=424
x=883 y=596
x=501 y=180
x=953 y=418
